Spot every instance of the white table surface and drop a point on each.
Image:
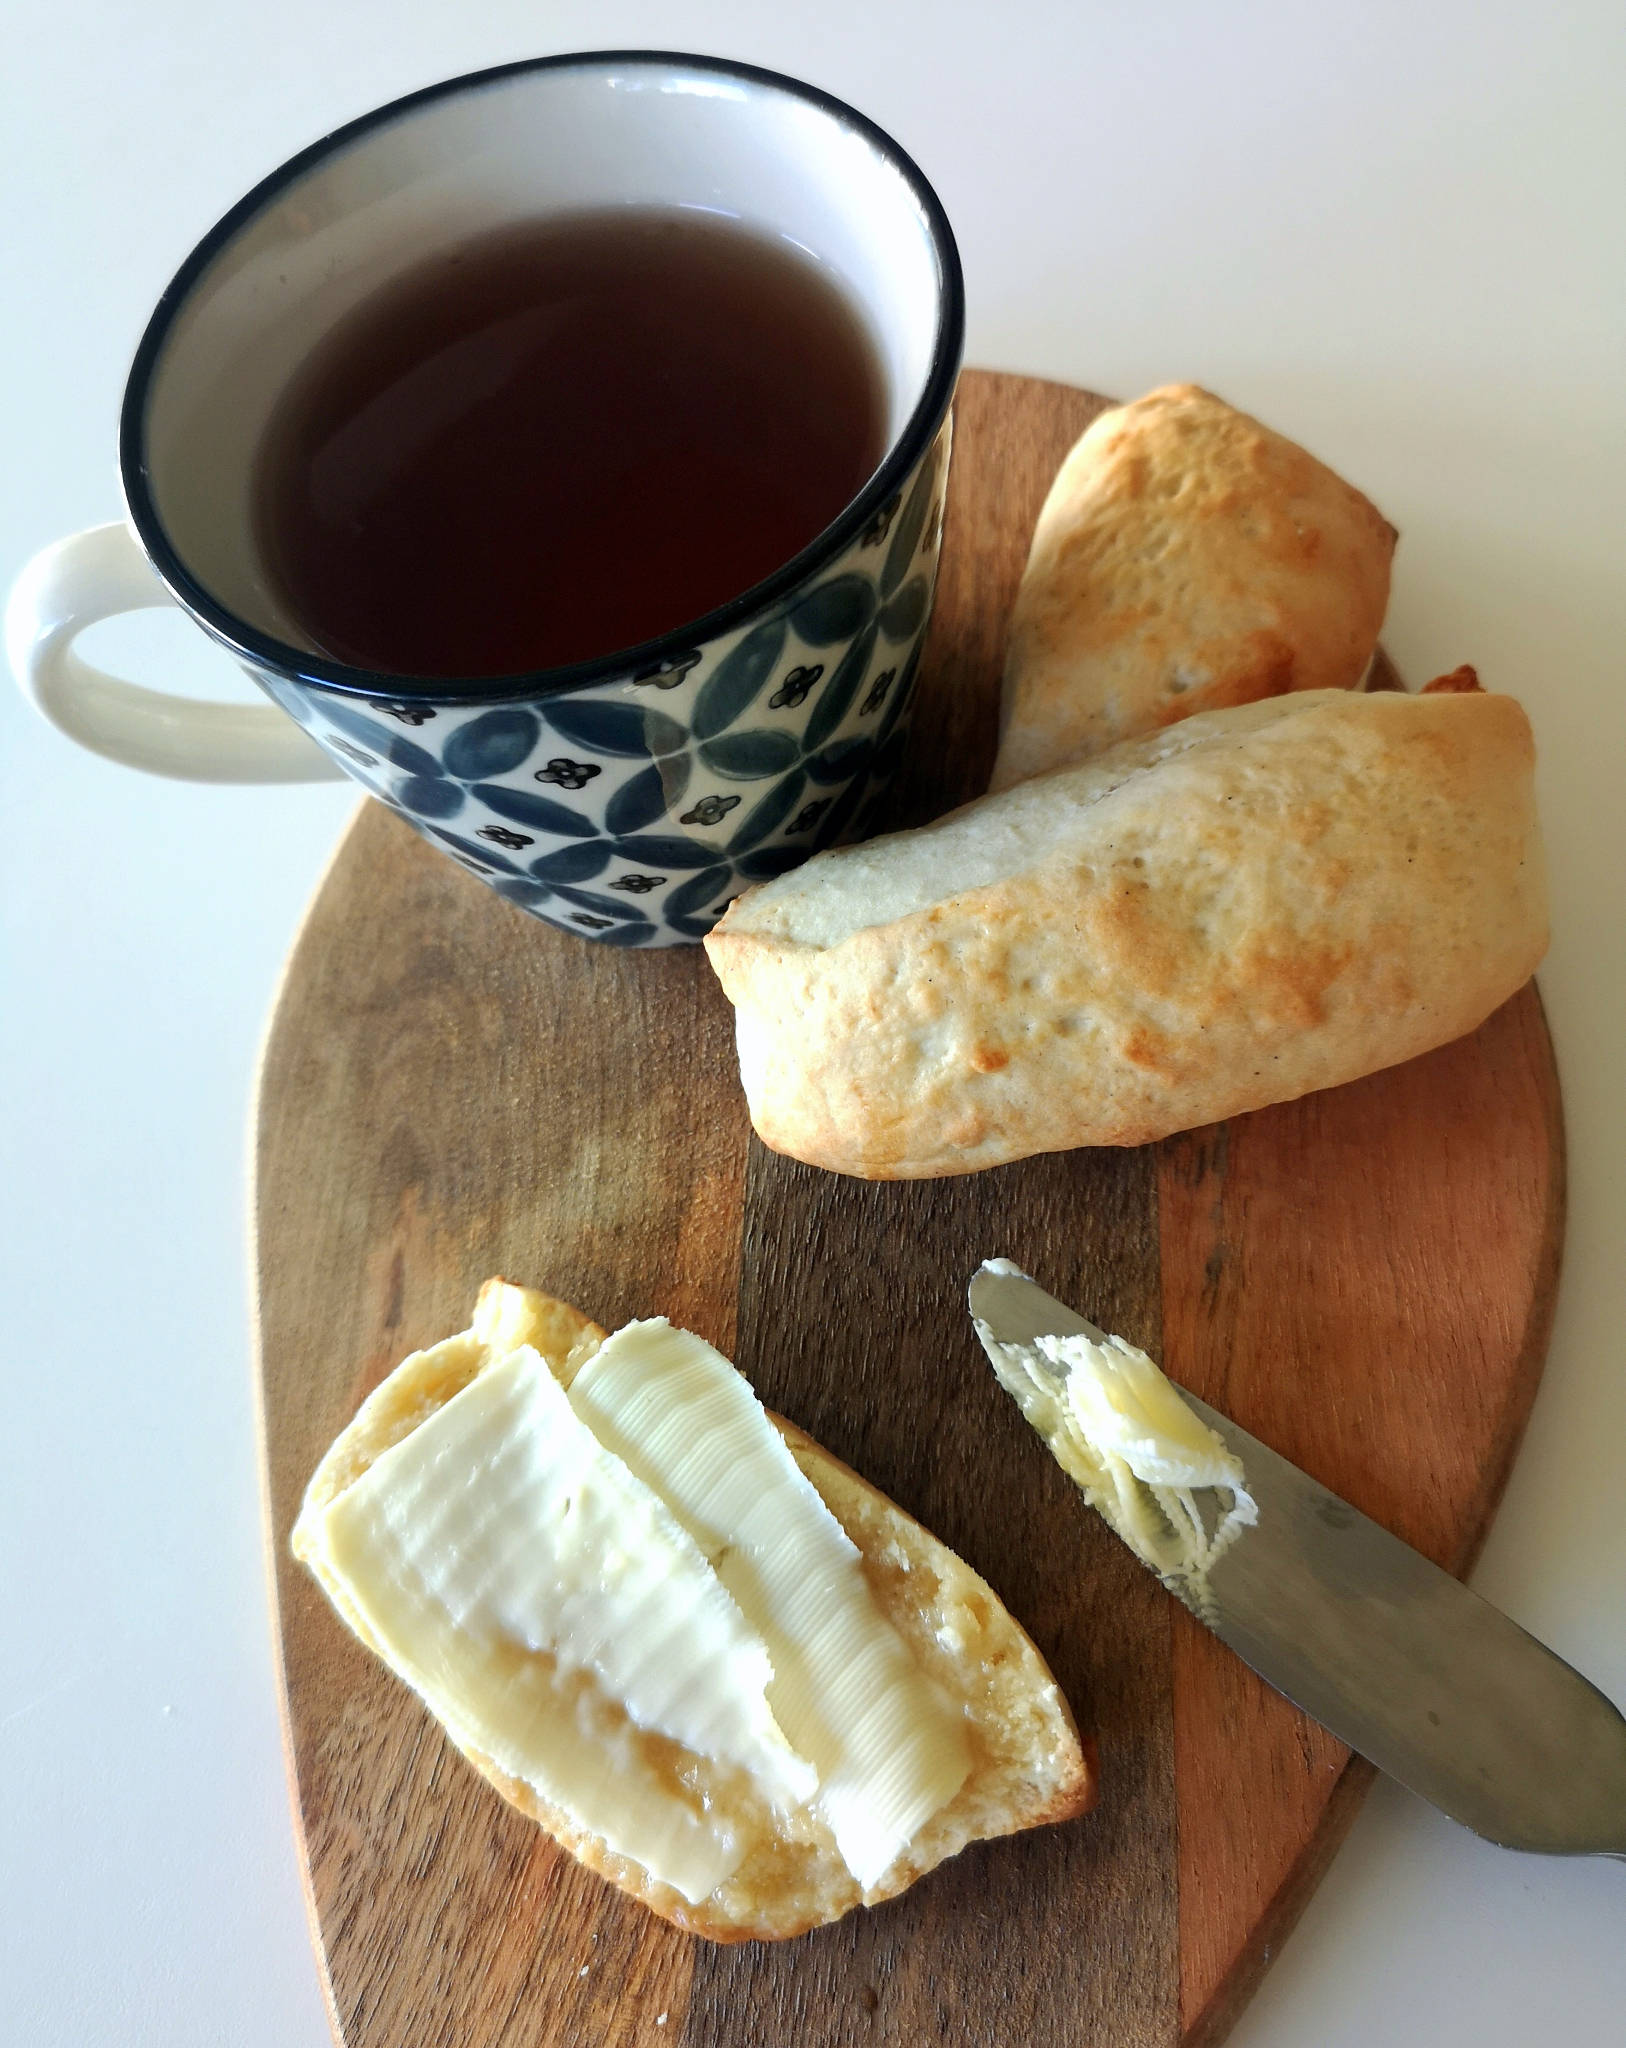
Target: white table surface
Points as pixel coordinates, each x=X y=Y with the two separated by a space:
x=1393 y=230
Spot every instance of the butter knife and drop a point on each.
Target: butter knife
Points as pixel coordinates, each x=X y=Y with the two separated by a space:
x=1398 y=1659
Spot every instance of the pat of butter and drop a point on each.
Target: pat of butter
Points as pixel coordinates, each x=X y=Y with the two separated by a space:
x=598 y=1566
x=497 y=1553
x=1141 y=1457
x=889 y=1748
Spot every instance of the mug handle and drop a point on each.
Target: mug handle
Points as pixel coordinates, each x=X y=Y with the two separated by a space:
x=96 y=575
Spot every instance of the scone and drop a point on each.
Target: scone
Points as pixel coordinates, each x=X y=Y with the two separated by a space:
x=1233 y=911
x=1186 y=559
x=716 y=1665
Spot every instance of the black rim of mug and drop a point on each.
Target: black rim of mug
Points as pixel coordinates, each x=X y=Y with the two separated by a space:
x=263 y=651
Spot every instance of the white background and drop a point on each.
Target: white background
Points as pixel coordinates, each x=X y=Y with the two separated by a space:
x=1393 y=230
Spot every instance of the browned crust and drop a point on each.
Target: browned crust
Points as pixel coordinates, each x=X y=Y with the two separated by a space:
x=1187 y=559
x=1461 y=682
x=1264 y=902
x=565 y=1338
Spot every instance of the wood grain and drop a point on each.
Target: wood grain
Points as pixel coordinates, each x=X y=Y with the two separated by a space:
x=1364 y=1278
x=440 y=1100
x=1281 y=1248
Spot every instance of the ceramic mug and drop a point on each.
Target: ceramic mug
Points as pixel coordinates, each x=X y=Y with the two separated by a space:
x=625 y=798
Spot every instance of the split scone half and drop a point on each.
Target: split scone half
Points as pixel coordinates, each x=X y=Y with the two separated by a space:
x=717 y=1666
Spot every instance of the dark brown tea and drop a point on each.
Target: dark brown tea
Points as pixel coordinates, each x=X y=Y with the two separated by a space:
x=562 y=439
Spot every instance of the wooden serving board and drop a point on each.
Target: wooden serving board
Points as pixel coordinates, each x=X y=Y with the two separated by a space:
x=1364 y=1279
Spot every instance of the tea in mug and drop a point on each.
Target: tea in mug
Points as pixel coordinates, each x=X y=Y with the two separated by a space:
x=562 y=439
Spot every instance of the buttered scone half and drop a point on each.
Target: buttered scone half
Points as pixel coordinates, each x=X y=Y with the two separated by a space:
x=1186 y=559
x=1247 y=906
x=717 y=1666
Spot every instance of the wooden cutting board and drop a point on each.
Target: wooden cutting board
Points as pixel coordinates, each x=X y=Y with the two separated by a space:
x=1364 y=1279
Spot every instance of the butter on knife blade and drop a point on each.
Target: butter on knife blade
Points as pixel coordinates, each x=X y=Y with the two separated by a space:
x=1401 y=1662
x=1123 y=1434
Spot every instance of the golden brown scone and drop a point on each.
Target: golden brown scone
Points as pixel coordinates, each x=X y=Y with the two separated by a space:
x=1186 y=559
x=1234 y=911
x=1028 y=1766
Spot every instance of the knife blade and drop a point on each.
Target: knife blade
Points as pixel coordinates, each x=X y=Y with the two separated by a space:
x=1438 y=1688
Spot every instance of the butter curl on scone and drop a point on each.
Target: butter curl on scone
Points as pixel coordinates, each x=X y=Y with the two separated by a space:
x=1227 y=913
x=1025 y=1765
x=1187 y=559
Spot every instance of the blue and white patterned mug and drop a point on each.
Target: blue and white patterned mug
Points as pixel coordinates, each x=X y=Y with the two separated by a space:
x=625 y=798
